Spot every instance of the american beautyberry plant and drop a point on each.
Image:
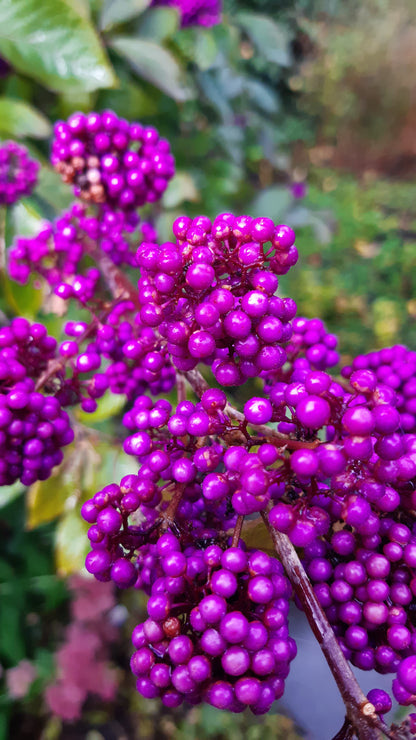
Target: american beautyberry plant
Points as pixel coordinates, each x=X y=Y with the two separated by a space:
x=327 y=463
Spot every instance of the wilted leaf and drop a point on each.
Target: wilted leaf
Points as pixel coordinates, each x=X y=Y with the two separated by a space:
x=54 y=42
x=154 y=63
x=20 y=119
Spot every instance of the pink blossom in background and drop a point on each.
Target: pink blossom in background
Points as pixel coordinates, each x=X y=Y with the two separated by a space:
x=19 y=679
x=65 y=700
x=91 y=598
x=83 y=660
x=195 y=12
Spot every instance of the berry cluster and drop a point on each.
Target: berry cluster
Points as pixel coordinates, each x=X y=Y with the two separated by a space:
x=394 y=367
x=211 y=296
x=112 y=161
x=59 y=251
x=18 y=173
x=367 y=586
x=335 y=472
x=33 y=426
x=216 y=628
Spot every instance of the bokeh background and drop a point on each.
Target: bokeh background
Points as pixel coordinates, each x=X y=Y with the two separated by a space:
x=300 y=110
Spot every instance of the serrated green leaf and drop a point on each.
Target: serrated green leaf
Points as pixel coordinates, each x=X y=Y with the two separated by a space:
x=270 y=38
x=107 y=406
x=54 y=42
x=71 y=543
x=19 y=119
x=47 y=499
x=153 y=63
x=120 y=11
x=159 y=24
x=182 y=187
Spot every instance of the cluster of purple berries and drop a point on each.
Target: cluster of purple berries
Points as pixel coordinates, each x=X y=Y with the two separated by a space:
x=112 y=161
x=128 y=354
x=336 y=472
x=367 y=587
x=394 y=367
x=211 y=296
x=58 y=251
x=216 y=629
x=33 y=426
x=195 y=12
x=18 y=172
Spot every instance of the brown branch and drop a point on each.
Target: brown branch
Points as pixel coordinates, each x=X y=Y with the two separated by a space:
x=237 y=530
x=117 y=282
x=200 y=385
x=360 y=712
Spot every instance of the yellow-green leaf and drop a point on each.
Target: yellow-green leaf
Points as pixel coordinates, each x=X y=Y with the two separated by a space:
x=71 y=543
x=107 y=406
x=256 y=535
x=47 y=500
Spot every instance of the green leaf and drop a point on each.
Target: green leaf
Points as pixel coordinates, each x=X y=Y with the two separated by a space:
x=26 y=219
x=120 y=11
x=270 y=38
x=159 y=24
x=52 y=190
x=155 y=64
x=109 y=405
x=272 y=203
x=182 y=187
x=19 y=119
x=54 y=42
x=205 y=49
x=71 y=543
x=24 y=300
x=263 y=96
x=12 y=645
x=9 y=493
x=47 y=499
